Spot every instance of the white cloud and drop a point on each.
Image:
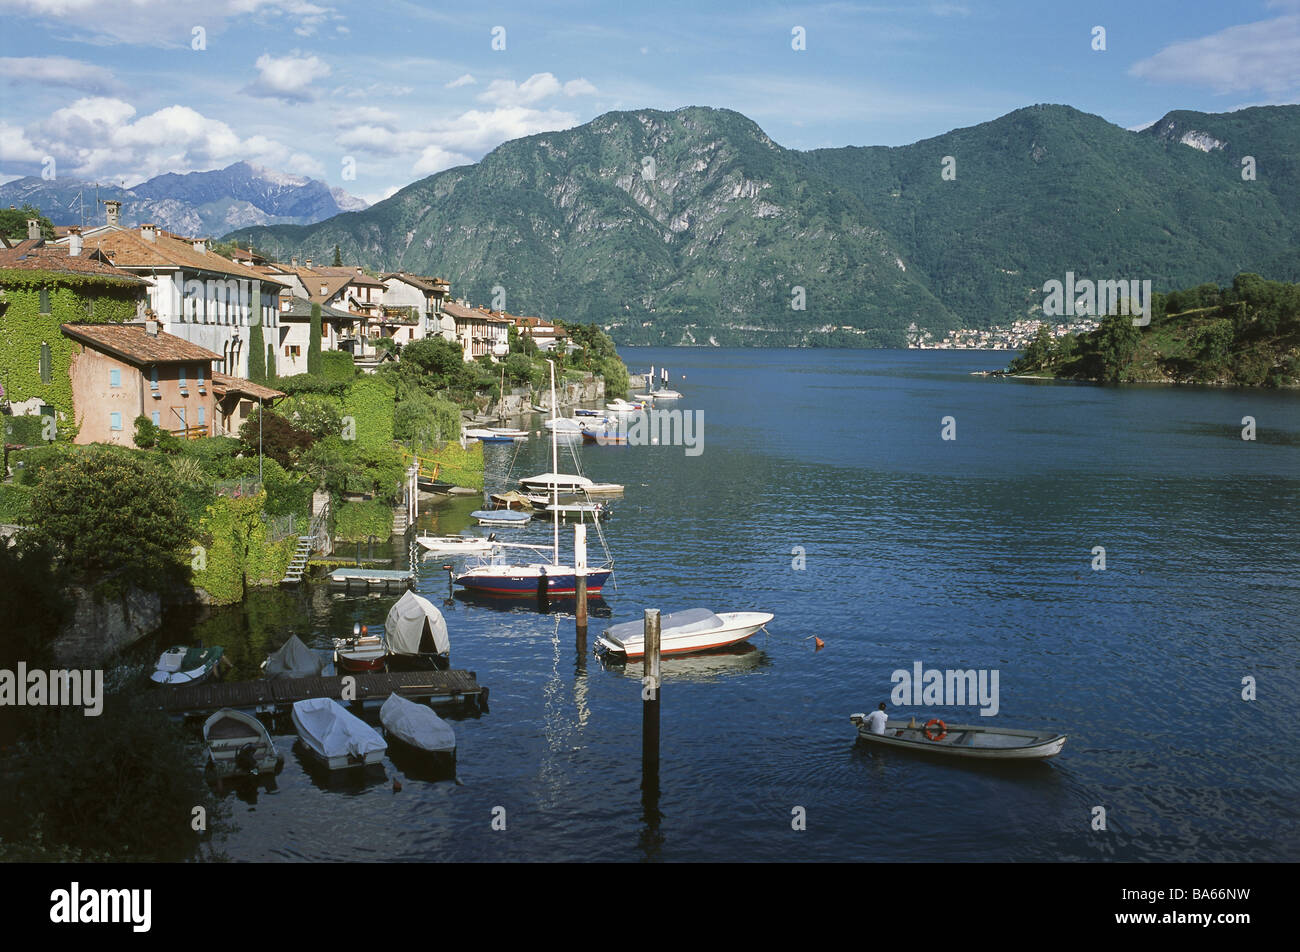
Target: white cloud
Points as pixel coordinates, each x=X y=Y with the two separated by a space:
x=374 y=198
x=102 y=138
x=465 y=79
x=1253 y=56
x=287 y=77
x=435 y=159
x=539 y=86
x=57 y=71
x=166 y=23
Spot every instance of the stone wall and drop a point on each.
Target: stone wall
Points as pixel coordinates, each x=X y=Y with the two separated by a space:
x=99 y=628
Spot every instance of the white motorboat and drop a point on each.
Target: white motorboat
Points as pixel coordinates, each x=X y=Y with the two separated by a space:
x=582 y=511
x=416 y=634
x=694 y=629
x=362 y=652
x=416 y=725
x=556 y=482
x=182 y=664
x=500 y=517
x=666 y=394
x=455 y=545
x=494 y=434
x=334 y=736
x=963 y=740
x=622 y=406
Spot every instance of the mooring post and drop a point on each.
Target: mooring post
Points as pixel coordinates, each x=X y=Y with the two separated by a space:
x=650 y=689
x=580 y=576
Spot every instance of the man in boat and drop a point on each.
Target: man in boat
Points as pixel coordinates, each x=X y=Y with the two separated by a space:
x=876 y=720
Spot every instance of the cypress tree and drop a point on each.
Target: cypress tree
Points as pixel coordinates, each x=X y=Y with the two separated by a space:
x=313 y=344
x=270 y=363
x=338 y=258
x=256 y=354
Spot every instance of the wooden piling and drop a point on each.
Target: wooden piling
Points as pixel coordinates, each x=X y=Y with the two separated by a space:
x=580 y=576
x=651 y=685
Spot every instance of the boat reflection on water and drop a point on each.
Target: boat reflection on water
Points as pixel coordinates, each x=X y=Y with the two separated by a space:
x=346 y=780
x=744 y=658
x=597 y=607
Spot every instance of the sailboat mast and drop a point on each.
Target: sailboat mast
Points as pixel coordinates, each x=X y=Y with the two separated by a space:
x=555 y=471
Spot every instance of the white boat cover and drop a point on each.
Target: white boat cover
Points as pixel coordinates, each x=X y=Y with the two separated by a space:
x=414 y=626
x=294 y=660
x=685 y=622
x=417 y=725
x=326 y=726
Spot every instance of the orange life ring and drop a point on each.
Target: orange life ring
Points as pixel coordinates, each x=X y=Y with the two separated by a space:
x=943 y=729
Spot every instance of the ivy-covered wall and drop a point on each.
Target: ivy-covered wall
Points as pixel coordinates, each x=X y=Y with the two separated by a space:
x=73 y=299
x=235 y=551
x=369 y=402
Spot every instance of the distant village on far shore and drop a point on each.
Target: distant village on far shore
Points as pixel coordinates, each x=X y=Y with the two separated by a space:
x=1016 y=336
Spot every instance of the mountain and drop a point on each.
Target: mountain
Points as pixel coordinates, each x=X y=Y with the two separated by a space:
x=709 y=242
x=202 y=204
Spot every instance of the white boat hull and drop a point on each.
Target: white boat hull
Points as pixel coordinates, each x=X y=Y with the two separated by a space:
x=455 y=545
x=735 y=628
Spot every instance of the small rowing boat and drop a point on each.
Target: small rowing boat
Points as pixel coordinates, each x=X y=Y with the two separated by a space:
x=239 y=746
x=455 y=545
x=963 y=740
x=695 y=629
x=500 y=517
x=335 y=737
x=182 y=664
x=417 y=726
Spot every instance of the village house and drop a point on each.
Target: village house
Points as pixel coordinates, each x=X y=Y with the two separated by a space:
x=545 y=334
x=195 y=293
x=426 y=297
x=479 y=331
x=42 y=287
x=236 y=398
x=123 y=371
x=350 y=291
x=295 y=332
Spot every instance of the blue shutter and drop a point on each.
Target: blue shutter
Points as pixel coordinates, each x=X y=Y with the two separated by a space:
x=155 y=418
x=115 y=421
x=115 y=377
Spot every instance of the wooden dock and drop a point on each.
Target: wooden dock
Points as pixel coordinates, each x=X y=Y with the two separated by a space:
x=456 y=687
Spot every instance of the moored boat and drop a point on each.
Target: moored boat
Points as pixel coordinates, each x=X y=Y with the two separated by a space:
x=362 y=652
x=455 y=545
x=517 y=500
x=582 y=511
x=500 y=517
x=183 y=664
x=335 y=737
x=550 y=483
x=683 y=632
x=293 y=659
x=416 y=634
x=239 y=746
x=963 y=740
x=417 y=726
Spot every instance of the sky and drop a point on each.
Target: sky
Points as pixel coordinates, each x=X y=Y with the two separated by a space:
x=372 y=96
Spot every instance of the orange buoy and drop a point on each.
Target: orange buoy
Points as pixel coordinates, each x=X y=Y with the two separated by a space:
x=943 y=729
x=819 y=643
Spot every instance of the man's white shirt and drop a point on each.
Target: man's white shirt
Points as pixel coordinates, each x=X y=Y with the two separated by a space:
x=876 y=721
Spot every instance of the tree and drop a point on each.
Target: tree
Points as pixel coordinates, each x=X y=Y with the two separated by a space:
x=112 y=510
x=280 y=440
x=313 y=343
x=1117 y=341
x=270 y=363
x=13 y=222
x=338 y=257
x=256 y=354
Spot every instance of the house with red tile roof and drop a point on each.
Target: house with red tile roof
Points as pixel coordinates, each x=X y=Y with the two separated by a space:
x=479 y=331
x=122 y=371
x=195 y=293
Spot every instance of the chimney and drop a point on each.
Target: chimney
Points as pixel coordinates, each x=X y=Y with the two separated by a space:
x=149 y=231
x=34 y=228
x=201 y=245
x=151 y=328
x=74 y=241
x=308 y=264
x=293 y=262
x=112 y=211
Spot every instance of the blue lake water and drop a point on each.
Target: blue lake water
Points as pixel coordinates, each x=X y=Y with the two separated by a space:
x=968 y=553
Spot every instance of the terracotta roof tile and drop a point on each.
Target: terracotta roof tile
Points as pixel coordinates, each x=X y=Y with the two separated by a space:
x=131 y=250
x=224 y=383
x=131 y=343
x=55 y=259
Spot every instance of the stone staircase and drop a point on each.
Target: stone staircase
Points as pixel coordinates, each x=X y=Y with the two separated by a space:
x=400 y=521
x=317 y=537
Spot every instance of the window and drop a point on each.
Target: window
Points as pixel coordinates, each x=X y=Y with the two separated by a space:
x=182 y=380
x=45 y=301
x=115 y=378
x=180 y=411
x=155 y=417
x=202 y=415
x=293 y=350
x=45 y=362
x=115 y=421
x=199 y=371
x=153 y=379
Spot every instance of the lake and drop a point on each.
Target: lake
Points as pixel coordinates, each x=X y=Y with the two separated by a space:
x=826 y=494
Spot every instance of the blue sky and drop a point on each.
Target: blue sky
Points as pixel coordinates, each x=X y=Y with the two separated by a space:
x=115 y=91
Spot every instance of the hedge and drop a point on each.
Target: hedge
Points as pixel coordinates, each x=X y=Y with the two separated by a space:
x=15 y=504
x=338 y=365
x=369 y=404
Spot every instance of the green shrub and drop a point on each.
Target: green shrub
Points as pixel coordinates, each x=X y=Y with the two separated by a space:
x=369 y=404
x=426 y=418
x=460 y=467
x=25 y=430
x=338 y=365
x=358 y=521
x=311 y=383
x=29 y=465
x=317 y=413
x=15 y=504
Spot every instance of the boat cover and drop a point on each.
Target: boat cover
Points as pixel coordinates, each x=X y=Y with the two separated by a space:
x=414 y=626
x=685 y=622
x=294 y=660
x=416 y=724
x=326 y=725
